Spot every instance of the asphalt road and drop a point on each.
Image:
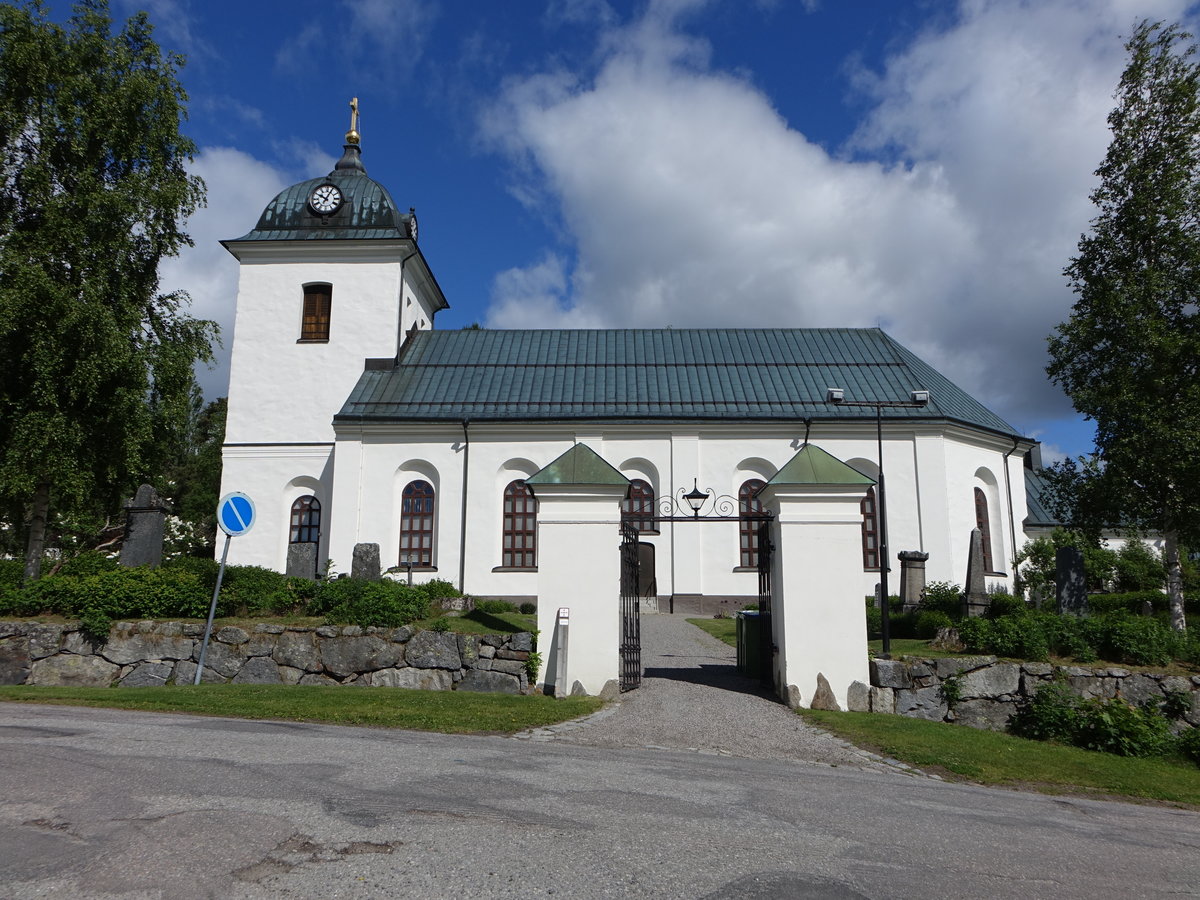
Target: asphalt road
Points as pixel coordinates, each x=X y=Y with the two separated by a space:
x=103 y=803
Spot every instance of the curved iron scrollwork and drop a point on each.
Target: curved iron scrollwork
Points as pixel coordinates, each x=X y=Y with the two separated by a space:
x=714 y=505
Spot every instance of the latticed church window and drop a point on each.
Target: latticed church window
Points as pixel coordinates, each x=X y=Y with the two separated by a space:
x=306 y=521
x=519 y=548
x=417 y=509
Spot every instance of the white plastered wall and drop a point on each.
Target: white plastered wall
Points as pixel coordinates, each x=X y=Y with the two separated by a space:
x=930 y=480
x=274 y=477
x=817 y=613
x=579 y=568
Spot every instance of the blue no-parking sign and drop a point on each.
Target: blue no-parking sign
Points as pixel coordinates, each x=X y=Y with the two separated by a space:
x=235 y=513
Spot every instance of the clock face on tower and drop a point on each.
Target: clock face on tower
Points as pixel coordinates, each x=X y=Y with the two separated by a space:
x=325 y=199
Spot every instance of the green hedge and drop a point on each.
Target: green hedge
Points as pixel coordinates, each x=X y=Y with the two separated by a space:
x=97 y=591
x=387 y=603
x=1115 y=637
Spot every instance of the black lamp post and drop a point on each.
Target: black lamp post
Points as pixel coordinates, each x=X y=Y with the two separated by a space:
x=695 y=499
x=917 y=400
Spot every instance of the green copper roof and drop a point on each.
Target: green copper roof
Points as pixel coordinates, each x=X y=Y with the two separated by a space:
x=812 y=465
x=579 y=465
x=656 y=375
x=1039 y=515
x=367 y=211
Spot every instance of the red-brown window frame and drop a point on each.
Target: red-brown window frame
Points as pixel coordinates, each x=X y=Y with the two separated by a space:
x=985 y=531
x=870 y=531
x=318 y=309
x=418 y=510
x=518 y=548
x=748 y=505
x=305 y=521
x=638 y=508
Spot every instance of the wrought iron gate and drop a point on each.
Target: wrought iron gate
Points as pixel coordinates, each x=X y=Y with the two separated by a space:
x=631 y=623
x=766 y=552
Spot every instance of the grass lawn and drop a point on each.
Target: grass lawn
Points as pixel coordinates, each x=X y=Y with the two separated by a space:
x=450 y=712
x=722 y=629
x=990 y=758
x=911 y=647
x=479 y=622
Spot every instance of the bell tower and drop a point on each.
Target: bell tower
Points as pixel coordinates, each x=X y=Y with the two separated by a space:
x=330 y=275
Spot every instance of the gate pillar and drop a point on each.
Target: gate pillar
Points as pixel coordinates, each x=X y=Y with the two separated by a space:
x=579 y=516
x=818 y=615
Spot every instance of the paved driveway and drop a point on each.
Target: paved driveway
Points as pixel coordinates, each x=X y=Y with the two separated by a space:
x=692 y=698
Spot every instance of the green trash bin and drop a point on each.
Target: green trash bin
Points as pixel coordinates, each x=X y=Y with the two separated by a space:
x=749 y=643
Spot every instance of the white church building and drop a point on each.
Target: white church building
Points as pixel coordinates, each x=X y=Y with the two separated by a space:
x=352 y=419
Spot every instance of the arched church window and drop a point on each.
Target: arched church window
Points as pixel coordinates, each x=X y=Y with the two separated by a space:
x=520 y=527
x=981 y=522
x=306 y=521
x=870 y=531
x=416 y=524
x=638 y=508
x=318 y=307
x=749 y=505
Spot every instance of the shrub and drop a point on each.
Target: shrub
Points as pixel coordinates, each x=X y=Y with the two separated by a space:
x=1021 y=637
x=1115 y=726
x=1130 y=602
x=951 y=691
x=90 y=562
x=874 y=621
x=440 y=624
x=12 y=573
x=495 y=606
x=1051 y=714
x=1135 y=640
x=1138 y=568
x=1188 y=744
x=439 y=588
x=929 y=621
x=1001 y=604
x=254 y=590
x=348 y=601
x=942 y=596
x=528 y=609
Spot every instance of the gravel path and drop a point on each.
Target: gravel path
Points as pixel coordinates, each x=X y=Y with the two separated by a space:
x=692 y=698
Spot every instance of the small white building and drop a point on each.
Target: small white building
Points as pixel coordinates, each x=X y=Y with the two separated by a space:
x=352 y=419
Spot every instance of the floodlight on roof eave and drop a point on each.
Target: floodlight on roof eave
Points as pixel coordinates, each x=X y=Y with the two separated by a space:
x=834 y=395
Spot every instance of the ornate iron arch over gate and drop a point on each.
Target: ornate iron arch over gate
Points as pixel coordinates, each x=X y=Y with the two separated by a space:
x=720 y=509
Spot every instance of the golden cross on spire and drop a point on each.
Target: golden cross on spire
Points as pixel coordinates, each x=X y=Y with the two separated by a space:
x=352 y=135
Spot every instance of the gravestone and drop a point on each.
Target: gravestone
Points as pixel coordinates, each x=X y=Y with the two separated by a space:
x=145 y=521
x=1070 y=582
x=878 y=595
x=302 y=560
x=366 y=562
x=912 y=578
x=975 y=598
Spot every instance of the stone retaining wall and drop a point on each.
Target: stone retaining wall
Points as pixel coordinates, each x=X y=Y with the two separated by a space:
x=138 y=654
x=989 y=691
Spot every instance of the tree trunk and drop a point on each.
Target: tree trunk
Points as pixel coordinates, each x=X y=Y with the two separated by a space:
x=1174 y=578
x=37 y=532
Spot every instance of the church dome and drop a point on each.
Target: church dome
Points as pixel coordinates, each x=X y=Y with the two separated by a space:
x=346 y=204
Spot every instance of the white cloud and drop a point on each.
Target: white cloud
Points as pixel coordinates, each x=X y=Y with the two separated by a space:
x=687 y=200
x=239 y=187
x=391 y=33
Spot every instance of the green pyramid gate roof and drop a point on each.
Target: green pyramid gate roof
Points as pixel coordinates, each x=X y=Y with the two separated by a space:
x=812 y=465
x=579 y=465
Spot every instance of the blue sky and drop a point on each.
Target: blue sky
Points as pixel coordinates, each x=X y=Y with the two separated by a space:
x=923 y=166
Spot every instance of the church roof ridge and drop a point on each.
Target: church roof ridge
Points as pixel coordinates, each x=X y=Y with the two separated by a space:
x=656 y=375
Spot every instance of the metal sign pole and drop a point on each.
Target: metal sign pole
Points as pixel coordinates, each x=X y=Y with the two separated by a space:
x=212 y=611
